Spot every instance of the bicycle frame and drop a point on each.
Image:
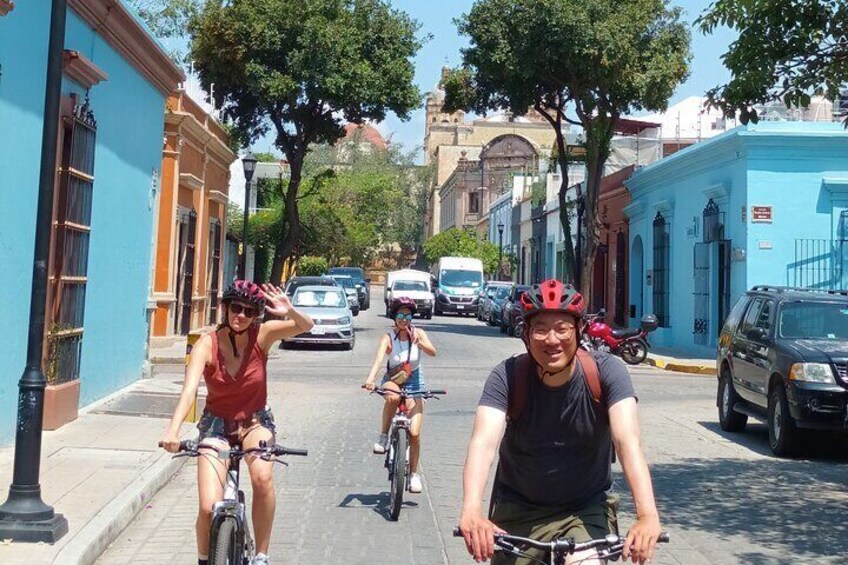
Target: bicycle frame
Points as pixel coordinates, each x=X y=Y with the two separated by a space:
x=233 y=506
x=401 y=421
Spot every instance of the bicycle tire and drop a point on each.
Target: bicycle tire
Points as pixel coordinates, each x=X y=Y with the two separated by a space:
x=225 y=541
x=398 y=476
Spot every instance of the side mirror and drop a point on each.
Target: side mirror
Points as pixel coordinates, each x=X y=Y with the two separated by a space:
x=602 y=313
x=368 y=281
x=757 y=334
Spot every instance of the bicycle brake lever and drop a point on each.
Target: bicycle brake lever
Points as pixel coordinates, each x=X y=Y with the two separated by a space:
x=280 y=461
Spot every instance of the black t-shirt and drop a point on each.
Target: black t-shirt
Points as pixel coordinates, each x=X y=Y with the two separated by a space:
x=559 y=451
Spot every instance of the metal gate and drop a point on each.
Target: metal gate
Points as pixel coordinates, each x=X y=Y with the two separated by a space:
x=820 y=263
x=185 y=271
x=702 y=292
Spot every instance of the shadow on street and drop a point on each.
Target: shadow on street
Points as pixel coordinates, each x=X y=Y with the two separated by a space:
x=788 y=507
x=379 y=503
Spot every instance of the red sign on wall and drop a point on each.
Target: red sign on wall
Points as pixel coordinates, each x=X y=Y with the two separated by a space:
x=761 y=214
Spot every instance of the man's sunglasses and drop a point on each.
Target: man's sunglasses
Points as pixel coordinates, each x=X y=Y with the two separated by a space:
x=407 y=317
x=248 y=311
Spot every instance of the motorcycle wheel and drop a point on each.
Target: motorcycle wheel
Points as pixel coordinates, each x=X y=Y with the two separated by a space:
x=634 y=352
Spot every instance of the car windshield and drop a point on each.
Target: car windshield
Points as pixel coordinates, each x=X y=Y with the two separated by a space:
x=502 y=293
x=814 y=320
x=355 y=274
x=319 y=298
x=410 y=285
x=462 y=278
x=346 y=282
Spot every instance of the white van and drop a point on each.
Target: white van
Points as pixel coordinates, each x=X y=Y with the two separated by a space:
x=414 y=285
x=458 y=283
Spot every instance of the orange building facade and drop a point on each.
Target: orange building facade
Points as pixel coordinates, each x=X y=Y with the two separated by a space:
x=192 y=219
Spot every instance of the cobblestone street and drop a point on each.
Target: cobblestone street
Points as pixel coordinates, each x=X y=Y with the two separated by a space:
x=723 y=499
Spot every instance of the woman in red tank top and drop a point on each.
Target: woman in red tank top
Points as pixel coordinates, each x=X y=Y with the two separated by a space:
x=232 y=361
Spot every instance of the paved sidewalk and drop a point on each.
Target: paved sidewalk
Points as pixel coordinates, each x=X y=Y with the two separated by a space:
x=99 y=471
x=673 y=360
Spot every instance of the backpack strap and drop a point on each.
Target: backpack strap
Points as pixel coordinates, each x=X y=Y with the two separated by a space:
x=522 y=368
x=590 y=370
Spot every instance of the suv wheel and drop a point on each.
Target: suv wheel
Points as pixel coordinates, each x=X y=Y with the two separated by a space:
x=782 y=433
x=729 y=420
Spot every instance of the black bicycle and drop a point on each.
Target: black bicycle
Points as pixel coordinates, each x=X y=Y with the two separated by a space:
x=397 y=455
x=609 y=547
x=230 y=542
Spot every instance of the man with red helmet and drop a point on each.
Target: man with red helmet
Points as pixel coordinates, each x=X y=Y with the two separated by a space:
x=554 y=416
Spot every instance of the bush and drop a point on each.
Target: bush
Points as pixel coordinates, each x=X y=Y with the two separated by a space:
x=312 y=266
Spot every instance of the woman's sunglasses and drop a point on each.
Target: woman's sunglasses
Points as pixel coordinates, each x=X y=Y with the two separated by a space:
x=407 y=317
x=248 y=311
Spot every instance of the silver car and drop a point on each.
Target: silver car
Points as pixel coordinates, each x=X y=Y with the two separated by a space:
x=328 y=307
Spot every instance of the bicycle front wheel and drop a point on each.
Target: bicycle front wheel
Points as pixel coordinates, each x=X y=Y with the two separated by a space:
x=398 y=475
x=224 y=552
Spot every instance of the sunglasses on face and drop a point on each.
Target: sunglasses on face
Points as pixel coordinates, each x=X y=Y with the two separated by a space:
x=407 y=317
x=248 y=311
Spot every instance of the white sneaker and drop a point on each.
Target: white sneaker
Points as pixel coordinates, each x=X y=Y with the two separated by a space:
x=415 y=483
x=380 y=446
x=260 y=559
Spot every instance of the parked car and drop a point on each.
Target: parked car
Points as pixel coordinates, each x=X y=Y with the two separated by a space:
x=511 y=310
x=492 y=309
x=783 y=358
x=421 y=289
x=328 y=308
x=296 y=282
x=351 y=291
x=484 y=303
x=363 y=285
x=416 y=290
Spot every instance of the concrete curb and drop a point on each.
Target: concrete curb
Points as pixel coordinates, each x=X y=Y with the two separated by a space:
x=105 y=527
x=681 y=367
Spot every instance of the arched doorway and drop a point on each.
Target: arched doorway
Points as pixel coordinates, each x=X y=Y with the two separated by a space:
x=637 y=278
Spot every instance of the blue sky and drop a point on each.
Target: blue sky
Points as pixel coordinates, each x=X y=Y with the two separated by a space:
x=436 y=18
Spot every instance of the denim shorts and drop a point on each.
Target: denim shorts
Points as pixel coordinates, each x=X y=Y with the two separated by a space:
x=215 y=427
x=414 y=385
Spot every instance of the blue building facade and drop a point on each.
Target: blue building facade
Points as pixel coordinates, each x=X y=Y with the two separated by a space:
x=760 y=204
x=113 y=102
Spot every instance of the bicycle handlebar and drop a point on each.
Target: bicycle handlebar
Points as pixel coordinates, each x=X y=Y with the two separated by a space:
x=192 y=449
x=424 y=393
x=612 y=542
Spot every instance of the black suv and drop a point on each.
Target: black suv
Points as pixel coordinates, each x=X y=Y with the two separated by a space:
x=363 y=285
x=511 y=310
x=783 y=358
x=295 y=282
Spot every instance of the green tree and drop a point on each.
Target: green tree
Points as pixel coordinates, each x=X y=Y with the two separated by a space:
x=786 y=50
x=167 y=19
x=579 y=62
x=462 y=243
x=298 y=68
x=309 y=266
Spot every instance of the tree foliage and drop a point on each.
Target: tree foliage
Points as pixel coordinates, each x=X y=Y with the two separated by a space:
x=462 y=243
x=577 y=62
x=787 y=50
x=167 y=19
x=309 y=266
x=299 y=69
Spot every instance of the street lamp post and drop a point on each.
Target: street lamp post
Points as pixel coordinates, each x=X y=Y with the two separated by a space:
x=24 y=516
x=248 y=162
x=500 y=248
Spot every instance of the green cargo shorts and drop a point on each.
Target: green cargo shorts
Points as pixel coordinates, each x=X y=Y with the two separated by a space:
x=547 y=524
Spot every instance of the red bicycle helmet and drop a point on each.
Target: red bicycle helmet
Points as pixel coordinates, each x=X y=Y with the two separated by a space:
x=552 y=296
x=402 y=302
x=247 y=292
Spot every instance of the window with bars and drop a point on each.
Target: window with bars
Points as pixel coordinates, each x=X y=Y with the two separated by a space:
x=661 y=270
x=213 y=268
x=70 y=245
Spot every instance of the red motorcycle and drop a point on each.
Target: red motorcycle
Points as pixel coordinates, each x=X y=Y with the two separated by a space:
x=631 y=344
